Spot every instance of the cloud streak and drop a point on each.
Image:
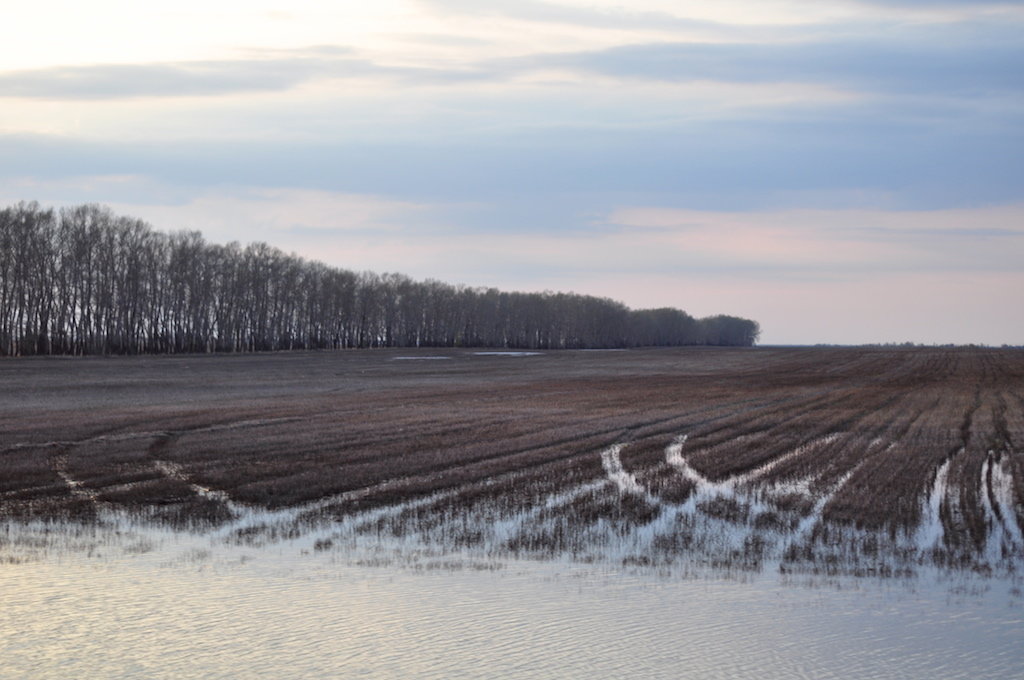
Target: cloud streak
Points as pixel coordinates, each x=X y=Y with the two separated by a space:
x=261 y=71
x=872 y=66
x=940 y=61
x=575 y=16
x=733 y=157
x=911 y=161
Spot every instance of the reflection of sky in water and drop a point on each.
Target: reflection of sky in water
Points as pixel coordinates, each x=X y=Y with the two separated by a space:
x=187 y=608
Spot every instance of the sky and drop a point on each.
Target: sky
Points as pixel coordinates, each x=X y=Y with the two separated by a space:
x=842 y=171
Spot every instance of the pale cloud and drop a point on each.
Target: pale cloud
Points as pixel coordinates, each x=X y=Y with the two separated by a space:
x=864 y=64
x=1004 y=219
x=576 y=15
x=650 y=15
x=246 y=214
x=51 y=33
x=875 y=64
x=261 y=71
x=362 y=109
x=91 y=188
x=807 y=165
x=842 y=241
x=282 y=215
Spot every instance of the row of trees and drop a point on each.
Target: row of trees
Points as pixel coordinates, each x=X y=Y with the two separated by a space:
x=82 y=280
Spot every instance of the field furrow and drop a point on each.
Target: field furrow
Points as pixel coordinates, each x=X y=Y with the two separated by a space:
x=870 y=460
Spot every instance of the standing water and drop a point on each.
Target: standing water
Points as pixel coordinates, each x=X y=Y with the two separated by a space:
x=173 y=605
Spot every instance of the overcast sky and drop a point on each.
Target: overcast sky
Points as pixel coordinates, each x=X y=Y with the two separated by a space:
x=841 y=171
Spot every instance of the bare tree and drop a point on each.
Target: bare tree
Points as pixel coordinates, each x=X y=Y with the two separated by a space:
x=85 y=281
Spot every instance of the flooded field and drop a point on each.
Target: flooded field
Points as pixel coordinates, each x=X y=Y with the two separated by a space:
x=176 y=604
x=593 y=512
x=857 y=461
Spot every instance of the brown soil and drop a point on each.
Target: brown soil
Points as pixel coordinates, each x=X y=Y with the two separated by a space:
x=866 y=428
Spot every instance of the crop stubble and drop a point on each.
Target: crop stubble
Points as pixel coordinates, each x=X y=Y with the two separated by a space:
x=837 y=459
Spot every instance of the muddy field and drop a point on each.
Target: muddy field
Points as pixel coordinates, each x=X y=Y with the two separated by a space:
x=863 y=461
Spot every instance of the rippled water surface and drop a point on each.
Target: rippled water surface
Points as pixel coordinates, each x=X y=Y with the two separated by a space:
x=172 y=606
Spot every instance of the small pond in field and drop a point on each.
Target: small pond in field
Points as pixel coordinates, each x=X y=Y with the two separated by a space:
x=116 y=603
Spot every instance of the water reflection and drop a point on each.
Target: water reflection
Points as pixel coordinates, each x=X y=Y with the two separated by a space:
x=119 y=601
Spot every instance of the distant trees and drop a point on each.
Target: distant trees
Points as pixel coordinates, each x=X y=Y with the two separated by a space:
x=82 y=280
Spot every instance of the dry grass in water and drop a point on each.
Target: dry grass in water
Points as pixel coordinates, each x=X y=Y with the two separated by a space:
x=825 y=460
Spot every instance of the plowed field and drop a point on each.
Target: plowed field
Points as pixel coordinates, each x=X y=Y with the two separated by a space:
x=864 y=460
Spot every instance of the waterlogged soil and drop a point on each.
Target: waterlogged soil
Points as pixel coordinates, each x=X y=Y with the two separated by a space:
x=874 y=461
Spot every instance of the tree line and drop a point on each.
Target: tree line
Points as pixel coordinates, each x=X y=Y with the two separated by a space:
x=82 y=280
